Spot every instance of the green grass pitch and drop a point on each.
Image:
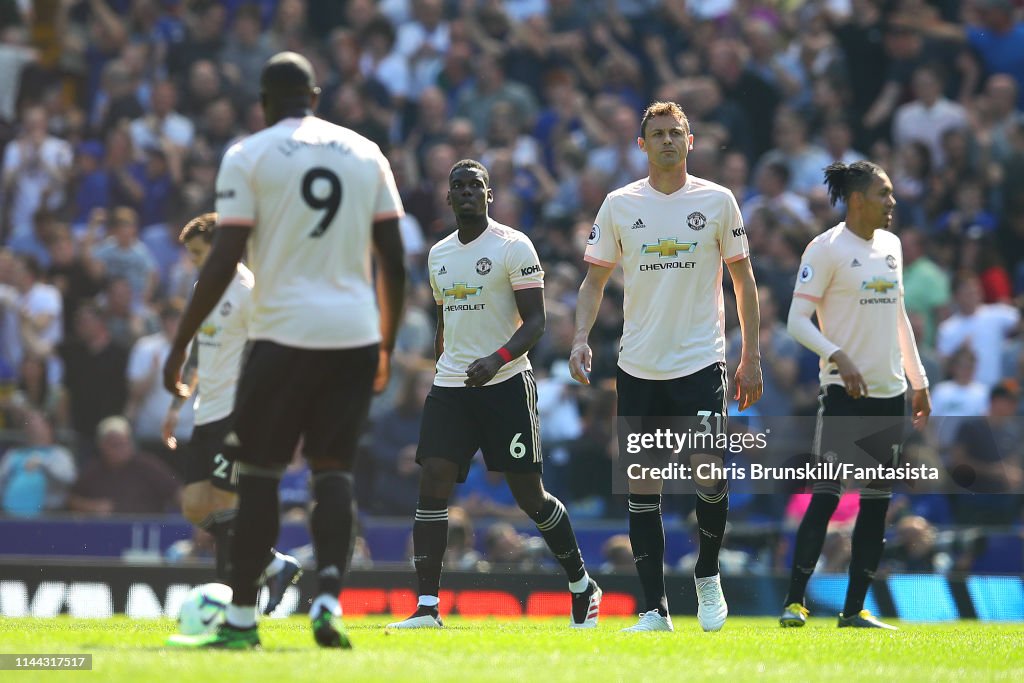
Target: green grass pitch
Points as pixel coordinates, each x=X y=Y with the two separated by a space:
x=531 y=650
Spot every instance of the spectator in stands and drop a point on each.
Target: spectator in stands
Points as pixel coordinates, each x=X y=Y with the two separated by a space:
x=126 y=320
x=804 y=160
x=981 y=326
x=490 y=87
x=40 y=311
x=461 y=554
x=925 y=284
x=94 y=374
x=76 y=279
x=779 y=353
x=394 y=436
x=247 y=49
x=36 y=169
x=787 y=208
x=509 y=550
x=958 y=397
x=162 y=124
x=987 y=462
x=124 y=256
x=915 y=549
x=35 y=477
x=423 y=41
x=123 y=480
x=617 y=553
x=147 y=400
x=929 y=115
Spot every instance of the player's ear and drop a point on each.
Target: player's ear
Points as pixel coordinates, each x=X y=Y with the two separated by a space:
x=490 y=195
x=448 y=197
x=641 y=144
x=314 y=98
x=689 y=141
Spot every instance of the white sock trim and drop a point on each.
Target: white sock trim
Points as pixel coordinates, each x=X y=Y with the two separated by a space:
x=429 y=600
x=322 y=602
x=241 y=616
x=581 y=585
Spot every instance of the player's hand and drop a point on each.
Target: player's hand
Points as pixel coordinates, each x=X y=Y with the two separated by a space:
x=482 y=370
x=854 y=382
x=749 y=383
x=580 y=360
x=920 y=408
x=380 y=382
x=167 y=429
x=172 y=373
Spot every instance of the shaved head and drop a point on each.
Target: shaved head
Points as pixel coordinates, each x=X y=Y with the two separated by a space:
x=287 y=73
x=288 y=87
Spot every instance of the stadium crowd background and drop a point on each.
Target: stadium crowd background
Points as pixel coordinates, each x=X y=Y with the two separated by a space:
x=114 y=115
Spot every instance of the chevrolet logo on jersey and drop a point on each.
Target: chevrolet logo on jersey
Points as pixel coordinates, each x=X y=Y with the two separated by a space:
x=669 y=248
x=879 y=285
x=209 y=330
x=460 y=291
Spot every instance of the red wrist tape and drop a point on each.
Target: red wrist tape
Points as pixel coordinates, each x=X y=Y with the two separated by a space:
x=505 y=355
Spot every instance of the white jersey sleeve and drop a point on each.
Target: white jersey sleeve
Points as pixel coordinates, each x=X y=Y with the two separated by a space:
x=236 y=201
x=603 y=245
x=523 y=264
x=438 y=295
x=815 y=272
x=733 y=236
x=389 y=203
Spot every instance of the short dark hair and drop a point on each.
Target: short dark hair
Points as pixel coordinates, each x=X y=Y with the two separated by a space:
x=475 y=165
x=202 y=226
x=663 y=109
x=32 y=265
x=842 y=180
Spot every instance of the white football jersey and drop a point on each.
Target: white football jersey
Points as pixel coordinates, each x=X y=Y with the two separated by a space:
x=475 y=285
x=671 y=248
x=311 y=191
x=221 y=339
x=856 y=285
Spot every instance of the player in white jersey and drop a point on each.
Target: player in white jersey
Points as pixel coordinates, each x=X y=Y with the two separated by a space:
x=312 y=201
x=852 y=277
x=208 y=499
x=671 y=232
x=488 y=285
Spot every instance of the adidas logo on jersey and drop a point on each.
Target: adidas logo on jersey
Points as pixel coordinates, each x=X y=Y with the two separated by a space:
x=639 y=224
x=855 y=264
x=443 y=271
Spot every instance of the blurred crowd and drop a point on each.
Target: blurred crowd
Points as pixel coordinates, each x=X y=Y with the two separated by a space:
x=114 y=115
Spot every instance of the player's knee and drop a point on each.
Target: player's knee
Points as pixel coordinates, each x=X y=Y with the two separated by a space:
x=437 y=479
x=528 y=492
x=194 y=504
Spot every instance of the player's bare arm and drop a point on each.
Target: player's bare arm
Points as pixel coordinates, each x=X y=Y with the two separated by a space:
x=390 y=257
x=854 y=382
x=587 y=305
x=216 y=275
x=748 y=380
x=190 y=378
x=530 y=303
x=439 y=334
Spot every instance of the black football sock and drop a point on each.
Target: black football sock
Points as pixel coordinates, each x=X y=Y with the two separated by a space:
x=712 y=513
x=647 y=536
x=257 y=524
x=810 y=538
x=429 y=542
x=332 y=523
x=221 y=525
x=553 y=523
x=866 y=551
